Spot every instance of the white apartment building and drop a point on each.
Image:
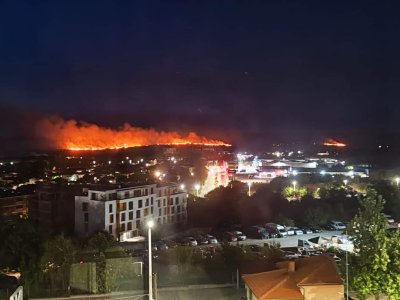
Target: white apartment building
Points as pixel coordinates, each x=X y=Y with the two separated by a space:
x=123 y=212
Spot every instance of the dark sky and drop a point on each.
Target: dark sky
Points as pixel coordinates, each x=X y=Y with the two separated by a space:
x=243 y=70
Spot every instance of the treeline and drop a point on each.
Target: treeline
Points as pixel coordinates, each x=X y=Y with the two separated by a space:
x=315 y=201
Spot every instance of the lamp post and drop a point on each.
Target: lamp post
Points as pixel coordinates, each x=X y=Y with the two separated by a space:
x=150 y=225
x=197 y=188
x=294 y=185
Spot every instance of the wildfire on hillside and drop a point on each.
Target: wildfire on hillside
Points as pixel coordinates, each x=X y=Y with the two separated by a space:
x=75 y=136
x=334 y=143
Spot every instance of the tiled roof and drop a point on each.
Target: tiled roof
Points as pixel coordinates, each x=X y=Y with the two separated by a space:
x=282 y=284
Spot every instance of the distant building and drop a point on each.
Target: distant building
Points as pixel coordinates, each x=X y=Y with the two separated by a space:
x=312 y=278
x=53 y=207
x=123 y=211
x=15 y=205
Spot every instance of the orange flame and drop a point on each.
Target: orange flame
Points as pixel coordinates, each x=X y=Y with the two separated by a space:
x=73 y=135
x=334 y=143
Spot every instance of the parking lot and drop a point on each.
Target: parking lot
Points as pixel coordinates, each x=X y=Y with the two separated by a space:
x=290 y=241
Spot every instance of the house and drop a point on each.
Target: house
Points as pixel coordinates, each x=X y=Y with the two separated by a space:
x=311 y=278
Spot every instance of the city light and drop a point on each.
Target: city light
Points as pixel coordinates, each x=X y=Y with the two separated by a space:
x=294 y=185
x=157 y=173
x=345 y=181
x=294 y=172
x=323 y=172
x=397 y=181
x=182 y=186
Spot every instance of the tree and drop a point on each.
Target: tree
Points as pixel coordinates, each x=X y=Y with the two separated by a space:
x=59 y=254
x=291 y=192
x=283 y=220
x=375 y=266
x=316 y=217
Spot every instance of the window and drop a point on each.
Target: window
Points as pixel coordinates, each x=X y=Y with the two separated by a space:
x=130 y=217
x=177 y=200
x=126 y=195
x=140 y=204
x=138 y=214
x=163 y=202
x=122 y=217
x=85 y=206
x=152 y=190
x=110 y=208
x=146 y=212
x=137 y=224
x=159 y=212
x=86 y=217
x=94 y=196
x=130 y=226
x=152 y=201
x=110 y=229
x=158 y=203
x=130 y=205
x=172 y=210
x=137 y=193
x=178 y=209
x=151 y=210
x=122 y=206
x=171 y=201
x=122 y=227
x=111 y=219
x=147 y=202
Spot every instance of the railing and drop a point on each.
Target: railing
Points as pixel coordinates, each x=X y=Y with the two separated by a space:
x=18 y=294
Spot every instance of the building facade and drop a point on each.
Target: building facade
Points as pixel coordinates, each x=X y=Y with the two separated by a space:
x=123 y=212
x=15 y=205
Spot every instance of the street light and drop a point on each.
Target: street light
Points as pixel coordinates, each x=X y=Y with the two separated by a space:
x=345 y=181
x=249 y=184
x=182 y=186
x=150 y=225
x=397 y=181
x=294 y=185
x=197 y=188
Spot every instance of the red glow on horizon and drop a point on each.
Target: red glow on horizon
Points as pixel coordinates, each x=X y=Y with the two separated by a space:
x=334 y=143
x=79 y=136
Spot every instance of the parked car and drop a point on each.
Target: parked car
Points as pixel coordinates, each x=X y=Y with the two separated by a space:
x=211 y=239
x=257 y=232
x=297 y=231
x=290 y=231
x=239 y=235
x=337 y=225
x=229 y=236
x=161 y=246
x=307 y=230
x=201 y=240
x=291 y=255
x=189 y=241
x=316 y=230
x=389 y=219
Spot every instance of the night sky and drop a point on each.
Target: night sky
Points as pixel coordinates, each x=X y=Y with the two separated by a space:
x=244 y=71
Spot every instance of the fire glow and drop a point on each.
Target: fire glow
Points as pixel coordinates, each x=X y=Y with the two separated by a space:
x=76 y=136
x=334 y=143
